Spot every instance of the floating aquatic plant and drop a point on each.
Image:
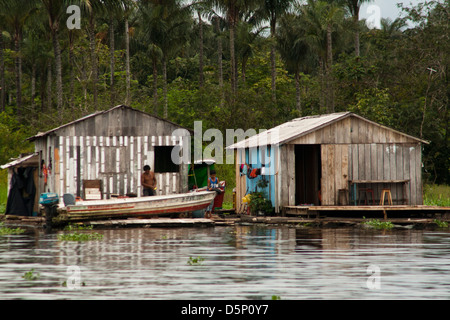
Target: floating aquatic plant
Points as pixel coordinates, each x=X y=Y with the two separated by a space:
x=195 y=261
x=76 y=236
x=31 y=275
x=441 y=224
x=7 y=231
x=377 y=224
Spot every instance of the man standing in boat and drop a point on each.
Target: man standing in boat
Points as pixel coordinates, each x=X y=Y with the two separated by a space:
x=148 y=182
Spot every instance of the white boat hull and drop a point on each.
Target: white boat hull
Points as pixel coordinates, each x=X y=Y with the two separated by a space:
x=152 y=205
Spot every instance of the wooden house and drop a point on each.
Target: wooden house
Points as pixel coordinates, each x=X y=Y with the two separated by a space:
x=107 y=151
x=329 y=160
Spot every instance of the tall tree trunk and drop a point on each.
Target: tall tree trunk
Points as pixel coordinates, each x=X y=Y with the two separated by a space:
x=18 y=67
x=112 y=61
x=127 y=62
x=155 y=87
x=297 y=92
x=166 y=104
x=71 y=70
x=233 y=78
x=49 y=85
x=356 y=22
x=272 y=59
x=219 y=62
x=200 y=26
x=42 y=85
x=322 y=101
x=2 y=76
x=58 y=69
x=33 y=86
x=330 y=89
x=92 y=44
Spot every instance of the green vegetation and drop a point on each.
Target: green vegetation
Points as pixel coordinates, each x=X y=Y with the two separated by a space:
x=76 y=236
x=31 y=275
x=377 y=224
x=258 y=200
x=436 y=195
x=8 y=231
x=441 y=224
x=74 y=227
x=274 y=297
x=212 y=61
x=195 y=261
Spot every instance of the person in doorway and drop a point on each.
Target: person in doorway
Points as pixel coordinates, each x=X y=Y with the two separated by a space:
x=148 y=182
x=213 y=185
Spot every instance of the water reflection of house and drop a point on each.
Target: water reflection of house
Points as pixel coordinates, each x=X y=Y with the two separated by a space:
x=108 y=150
x=326 y=160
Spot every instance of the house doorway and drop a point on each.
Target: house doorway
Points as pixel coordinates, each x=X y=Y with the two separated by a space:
x=307 y=174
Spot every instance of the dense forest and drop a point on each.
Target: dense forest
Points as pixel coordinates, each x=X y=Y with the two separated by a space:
x=230 y=63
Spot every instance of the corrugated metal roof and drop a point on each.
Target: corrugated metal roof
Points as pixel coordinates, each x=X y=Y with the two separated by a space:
x=43 y=134
x=22 y=160
x=298 y=127
x=289 y=130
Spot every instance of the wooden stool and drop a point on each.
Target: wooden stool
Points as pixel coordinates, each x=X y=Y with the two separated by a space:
x=366 y=191
x=383 y=193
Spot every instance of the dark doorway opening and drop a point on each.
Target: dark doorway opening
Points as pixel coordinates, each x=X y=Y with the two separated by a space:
x=307 y=174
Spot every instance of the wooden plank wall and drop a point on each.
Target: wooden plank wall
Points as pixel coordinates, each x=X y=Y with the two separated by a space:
x=365 y=150
x=389 y=162
x=117 y=161
x=287 y=175
x=352 y=131
x=241 y=181
x=114 y=147
x=335 y=164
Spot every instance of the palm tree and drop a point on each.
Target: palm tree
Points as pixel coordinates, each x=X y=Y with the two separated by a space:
x=15 y=16
x=92 y=8
x=273 y=10
x=354 y=7
x=392 y=29
x=233 y=9
x=55 y=11
x=322 y=19
x=2 y=61
x=247 y=38
x=165 y=23
x=128 y=9
x=293 y=48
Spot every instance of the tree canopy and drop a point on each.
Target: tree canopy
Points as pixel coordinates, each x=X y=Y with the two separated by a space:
x=230 y=63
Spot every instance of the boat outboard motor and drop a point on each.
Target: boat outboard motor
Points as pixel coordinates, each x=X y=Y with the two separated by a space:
x=50 y=203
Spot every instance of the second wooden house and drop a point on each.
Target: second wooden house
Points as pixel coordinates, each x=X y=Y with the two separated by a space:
x=328 y=160
x=108 y=150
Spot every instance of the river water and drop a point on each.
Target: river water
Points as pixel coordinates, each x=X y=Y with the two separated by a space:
x=237 y=262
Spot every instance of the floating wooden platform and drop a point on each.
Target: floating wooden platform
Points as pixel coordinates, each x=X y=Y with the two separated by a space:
x=149 y=223
x=400 y=223
x=404 y=210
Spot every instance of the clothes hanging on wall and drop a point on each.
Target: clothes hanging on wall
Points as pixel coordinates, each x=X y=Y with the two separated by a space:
x=22 y=192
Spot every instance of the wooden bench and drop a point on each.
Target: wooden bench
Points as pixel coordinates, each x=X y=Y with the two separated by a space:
x=353 y=187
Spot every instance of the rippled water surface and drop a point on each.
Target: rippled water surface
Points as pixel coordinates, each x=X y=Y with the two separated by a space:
x=239 y=262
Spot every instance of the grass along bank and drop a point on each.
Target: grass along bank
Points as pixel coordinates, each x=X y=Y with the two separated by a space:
x=436 y=195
